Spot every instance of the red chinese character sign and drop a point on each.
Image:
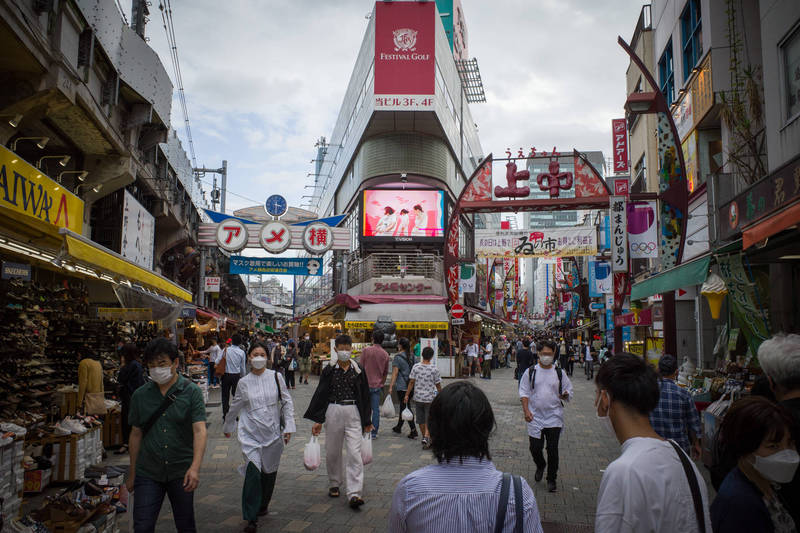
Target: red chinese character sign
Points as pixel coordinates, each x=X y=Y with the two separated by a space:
x=619 y=130
x=512 y=177
x=554 y=181
x=317 y=238
x=232 y=235
x=275 y=237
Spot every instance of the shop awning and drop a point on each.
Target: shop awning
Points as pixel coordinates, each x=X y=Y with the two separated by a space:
x=405 y=316
x=692 y=273
x=95 y=256
x=774 y=224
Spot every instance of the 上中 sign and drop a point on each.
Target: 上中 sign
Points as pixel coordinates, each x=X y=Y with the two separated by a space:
x=232 y=235
x=544 y=242
x=291 y=266
x=275 y=237
x=619 y=237
x=212 y=283
x=317 y=238
x=620 y=137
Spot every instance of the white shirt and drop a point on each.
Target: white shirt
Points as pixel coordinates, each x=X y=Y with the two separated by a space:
x=235 y=360
x=215 y=354
x=588 y=355
x=645 y=490
x=472 y=350
x=488 y=354
x=543 y=401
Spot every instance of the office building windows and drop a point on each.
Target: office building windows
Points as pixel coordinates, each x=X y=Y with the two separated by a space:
x=666 y=76
x=691 y=36
x=790 y=50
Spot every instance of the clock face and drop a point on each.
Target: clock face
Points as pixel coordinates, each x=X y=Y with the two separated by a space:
x=276 y=205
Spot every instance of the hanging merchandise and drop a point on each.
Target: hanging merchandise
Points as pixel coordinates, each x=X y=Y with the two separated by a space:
x=746 y=301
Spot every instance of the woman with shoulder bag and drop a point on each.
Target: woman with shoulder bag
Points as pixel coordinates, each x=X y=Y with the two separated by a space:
x=265 y=414
x=290 y=363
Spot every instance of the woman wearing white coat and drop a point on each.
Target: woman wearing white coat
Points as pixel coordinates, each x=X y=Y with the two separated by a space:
x=262 y=402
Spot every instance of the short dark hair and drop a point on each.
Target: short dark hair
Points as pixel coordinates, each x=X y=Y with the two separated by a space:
x=460 y=422
x=130 y=352
x=546 y=344
x=667 y=365
x=747 y=423
x=418 y=207
x=526 y=343
x=631 y=381
x=427 y=353
x=158 y=347
x=377 y=336
x=258 y=345
x=342 y=340
x=236 y=339
x=404 y=344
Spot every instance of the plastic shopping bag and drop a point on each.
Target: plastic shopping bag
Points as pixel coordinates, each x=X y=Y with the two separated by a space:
x=387 y=409
x=312 y=455
x=407 y=415
x=366 y=448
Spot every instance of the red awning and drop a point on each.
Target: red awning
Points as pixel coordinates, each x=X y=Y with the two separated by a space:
x=770 y=226
x=346 y=300
x=207 y=313
x=402 y=298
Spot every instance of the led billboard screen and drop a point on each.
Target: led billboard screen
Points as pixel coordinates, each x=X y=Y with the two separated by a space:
x=403 y=215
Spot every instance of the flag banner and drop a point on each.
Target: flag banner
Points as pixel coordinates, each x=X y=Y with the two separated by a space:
x=545 y=242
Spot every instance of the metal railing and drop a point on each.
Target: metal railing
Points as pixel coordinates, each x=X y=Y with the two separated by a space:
x=378 y=265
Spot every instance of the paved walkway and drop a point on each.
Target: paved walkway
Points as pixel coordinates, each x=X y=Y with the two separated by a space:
x=301 y=503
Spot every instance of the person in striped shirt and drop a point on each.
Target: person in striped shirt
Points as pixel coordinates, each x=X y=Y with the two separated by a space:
x=461 y=492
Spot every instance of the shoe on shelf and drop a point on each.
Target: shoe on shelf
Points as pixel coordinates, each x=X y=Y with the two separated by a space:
x=551 y=485
x=539 y=474
x=356 y=502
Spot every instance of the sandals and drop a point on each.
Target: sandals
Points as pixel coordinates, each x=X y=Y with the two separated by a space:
x=333 y=492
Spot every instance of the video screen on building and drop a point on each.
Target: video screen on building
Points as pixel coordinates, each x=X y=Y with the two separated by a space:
x=403 y=215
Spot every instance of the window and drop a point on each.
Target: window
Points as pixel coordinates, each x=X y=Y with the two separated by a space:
x=691 y=36
x=790 y=50
x=666 y=76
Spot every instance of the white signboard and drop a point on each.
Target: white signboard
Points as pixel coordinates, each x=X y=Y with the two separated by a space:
x=642 y=230
x=545 y=242
x=619 y=244
x=138 y=233
x=212 y=283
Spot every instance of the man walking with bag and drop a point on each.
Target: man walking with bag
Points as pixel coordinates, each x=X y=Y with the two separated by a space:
x=167 y=442
x=304 y=348
x=235 y=369
x=375 y=362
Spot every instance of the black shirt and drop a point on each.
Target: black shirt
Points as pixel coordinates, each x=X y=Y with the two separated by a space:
x=524 y=359
x=344 y=384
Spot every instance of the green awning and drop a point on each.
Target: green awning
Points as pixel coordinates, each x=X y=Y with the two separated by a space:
x=686 y=275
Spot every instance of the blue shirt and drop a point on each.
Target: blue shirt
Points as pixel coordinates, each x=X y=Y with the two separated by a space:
x=675 y=414
x=235 y=361
x=403 y=370
x=458 y=496
x=739 y=507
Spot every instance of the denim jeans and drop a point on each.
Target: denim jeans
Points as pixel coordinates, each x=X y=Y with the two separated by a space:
x=375 y=400
x=148 y=496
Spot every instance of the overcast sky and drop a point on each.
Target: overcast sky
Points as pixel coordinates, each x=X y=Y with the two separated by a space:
x=265 y=78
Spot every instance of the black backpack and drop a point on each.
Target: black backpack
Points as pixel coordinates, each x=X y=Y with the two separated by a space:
x=559 y=372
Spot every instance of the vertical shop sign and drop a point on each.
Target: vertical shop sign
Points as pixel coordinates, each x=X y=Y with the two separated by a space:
x=619 y=244
x=689 y=147
x=620 y=132
x=405 y=55
x=642 y=230
x=599 y=278
x=138 y=232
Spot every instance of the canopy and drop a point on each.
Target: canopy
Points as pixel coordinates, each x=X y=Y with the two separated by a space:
x=408 y=315
x=771 y=225
x=685 y=275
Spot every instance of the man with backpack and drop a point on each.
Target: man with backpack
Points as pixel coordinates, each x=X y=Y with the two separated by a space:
x=543 y=389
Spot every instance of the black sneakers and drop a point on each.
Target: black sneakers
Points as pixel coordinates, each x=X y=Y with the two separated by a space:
x=539 y=474
x=551 y=486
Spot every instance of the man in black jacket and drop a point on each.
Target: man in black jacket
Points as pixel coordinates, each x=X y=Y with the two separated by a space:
x=524 y=358
x=342 y=403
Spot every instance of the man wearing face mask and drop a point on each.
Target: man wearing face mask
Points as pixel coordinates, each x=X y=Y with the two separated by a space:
x=342 y=403
x=235 y=369
x=167 y=441
x=543 y=389
x=652 y=486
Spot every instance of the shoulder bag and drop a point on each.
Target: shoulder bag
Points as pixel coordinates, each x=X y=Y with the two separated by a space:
x=500 y=520
x=693 y=485
x=169 y=399
x=219 y=368
x=280 y=405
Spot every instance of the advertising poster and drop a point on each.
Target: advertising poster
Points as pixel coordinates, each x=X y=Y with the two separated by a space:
x=544 y=242
x=405 y=55
x=619 y=127
x=619 y=248
x=467 y=278
x=403 y=215
x=138 y=233
x=600 y=282
x=642 y=230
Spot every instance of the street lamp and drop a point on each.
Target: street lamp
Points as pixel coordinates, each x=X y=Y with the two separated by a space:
x=62 y=160
x=81 y=174
x=14 y=120
x=95 y=188
x=42 y=142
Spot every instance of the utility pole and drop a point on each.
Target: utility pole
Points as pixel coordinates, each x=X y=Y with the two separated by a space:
x=217 y=195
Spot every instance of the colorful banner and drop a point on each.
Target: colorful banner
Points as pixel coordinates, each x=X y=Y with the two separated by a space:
x=642 y=317
x=600 y=282
x=26 y=191
x=742 y=295
x=405 y=55
x=619 y=248
x=546 y=242
x=290 y=266
x=467 y=278
x=642 y=230
x=689 y=148
x=620 y=138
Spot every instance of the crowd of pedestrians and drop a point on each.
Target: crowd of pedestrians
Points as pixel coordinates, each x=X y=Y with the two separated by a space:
x=654 y=484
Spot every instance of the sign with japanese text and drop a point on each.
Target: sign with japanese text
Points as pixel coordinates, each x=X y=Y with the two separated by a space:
x=643 y=317
x=642 y=230
x=402 y=286
x=290 y=266
x=544 y=242
x=138 y=232
x=405 y=55
x=702 y=91
x=275 y=237
x=26 y=191
x=622 y=186
x=689 y=148
x=619 y=237
x=16 y=271
x=682 y=115
x=317 y=238
x=232 y=235
x=467 y=278
x=619 y=128
x=212 y=283
x=599 y=278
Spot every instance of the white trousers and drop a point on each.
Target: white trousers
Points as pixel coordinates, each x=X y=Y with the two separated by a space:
x=343 y=426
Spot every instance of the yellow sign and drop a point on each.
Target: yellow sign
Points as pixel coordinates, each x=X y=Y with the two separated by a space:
x=421 y=325
x=125 y=313
x=26 y=190
x=356 y=324
x=702 y=91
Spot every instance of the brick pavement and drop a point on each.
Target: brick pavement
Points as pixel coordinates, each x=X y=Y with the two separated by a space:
x=300 y=502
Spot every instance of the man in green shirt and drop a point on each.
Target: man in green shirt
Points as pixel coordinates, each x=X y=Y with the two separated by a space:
x=167 y=442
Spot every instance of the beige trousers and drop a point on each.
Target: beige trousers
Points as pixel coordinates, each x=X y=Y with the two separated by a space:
x=343 y=427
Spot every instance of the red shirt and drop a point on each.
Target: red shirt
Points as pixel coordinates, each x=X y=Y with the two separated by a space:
x=375 y=362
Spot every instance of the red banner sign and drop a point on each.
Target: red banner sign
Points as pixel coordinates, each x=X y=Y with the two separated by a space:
x=405 y=55
x=636 y=318
x=620 y=134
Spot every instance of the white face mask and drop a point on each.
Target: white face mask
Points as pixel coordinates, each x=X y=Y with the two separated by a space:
x=344 y=355
x=161 y=374
x=778 y=467
x=605 y=421
x=258 y=362
x=546 y=360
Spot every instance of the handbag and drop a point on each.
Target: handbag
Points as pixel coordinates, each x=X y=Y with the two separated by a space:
x=281 y=418
x=219 y=369
x=694 y=487
x=94 y=403
x=168 y=400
